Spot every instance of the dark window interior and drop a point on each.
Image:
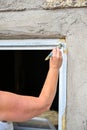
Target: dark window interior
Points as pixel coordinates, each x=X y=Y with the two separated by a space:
x=24 y=72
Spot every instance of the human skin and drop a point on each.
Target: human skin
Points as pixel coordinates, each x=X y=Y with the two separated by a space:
x=14 y=107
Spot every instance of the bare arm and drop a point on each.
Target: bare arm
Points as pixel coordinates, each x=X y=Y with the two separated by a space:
x=50 y=85
x=15 y=107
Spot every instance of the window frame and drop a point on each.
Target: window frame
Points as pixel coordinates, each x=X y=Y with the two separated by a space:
x=44 y=44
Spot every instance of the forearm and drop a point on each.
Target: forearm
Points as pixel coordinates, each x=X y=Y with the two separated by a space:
x=15 y=107
x=49 y=89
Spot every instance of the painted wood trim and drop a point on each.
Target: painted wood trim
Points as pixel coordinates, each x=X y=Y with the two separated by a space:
x=62 y=93
x=29 y=44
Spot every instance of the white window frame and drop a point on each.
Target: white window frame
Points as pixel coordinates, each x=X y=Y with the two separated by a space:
x=44 y=44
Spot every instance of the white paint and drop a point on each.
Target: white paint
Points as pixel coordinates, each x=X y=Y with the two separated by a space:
x=29 y=44
x=62 y=90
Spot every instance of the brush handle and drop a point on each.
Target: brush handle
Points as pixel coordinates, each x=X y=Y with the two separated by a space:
x=48 y=57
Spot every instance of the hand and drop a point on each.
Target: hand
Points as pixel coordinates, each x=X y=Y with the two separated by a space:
x=56 y=59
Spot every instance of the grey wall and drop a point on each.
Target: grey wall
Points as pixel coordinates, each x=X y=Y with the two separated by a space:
x=30 y=20
x=77 y=76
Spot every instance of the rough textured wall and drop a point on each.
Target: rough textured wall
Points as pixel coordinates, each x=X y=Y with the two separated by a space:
x=15 y=5
x=54 y=4
x=20 y=5
x=39 y=23
x=77 y=76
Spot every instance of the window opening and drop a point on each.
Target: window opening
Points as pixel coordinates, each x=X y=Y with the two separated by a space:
x=24 y=65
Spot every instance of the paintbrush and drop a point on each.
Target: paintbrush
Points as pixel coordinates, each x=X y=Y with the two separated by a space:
x=59 y=46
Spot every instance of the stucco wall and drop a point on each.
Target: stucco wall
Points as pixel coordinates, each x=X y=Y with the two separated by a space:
x=77 y=77
x=31 y=20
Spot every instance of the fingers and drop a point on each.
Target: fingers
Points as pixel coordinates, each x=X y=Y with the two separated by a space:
x=56 y=52
x=56 y=59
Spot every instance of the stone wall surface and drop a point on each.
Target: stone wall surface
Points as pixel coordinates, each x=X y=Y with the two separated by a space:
x=20 y=5
x=54 y=4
